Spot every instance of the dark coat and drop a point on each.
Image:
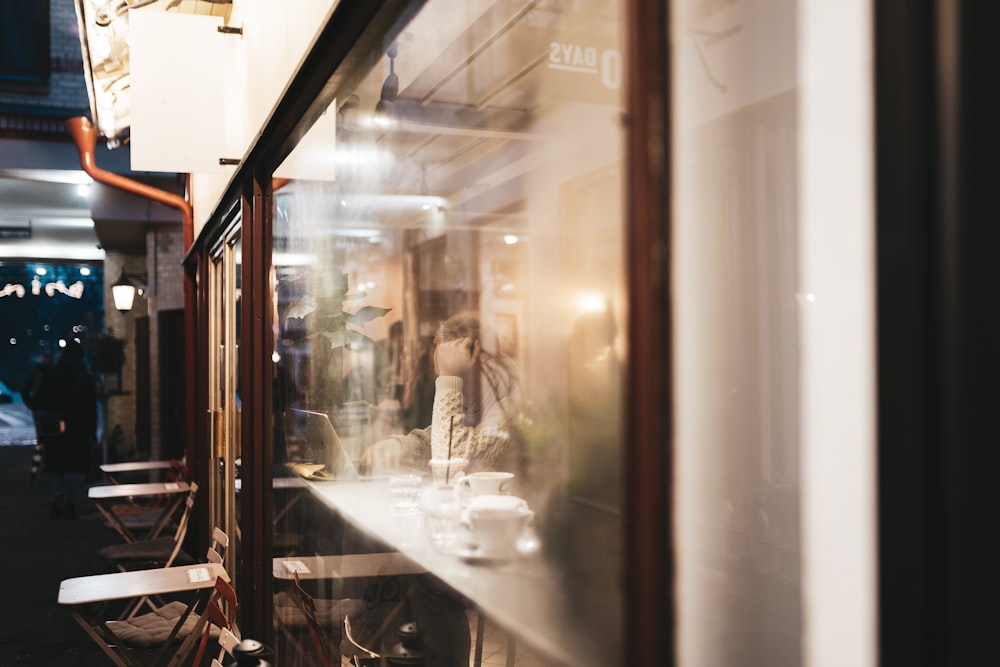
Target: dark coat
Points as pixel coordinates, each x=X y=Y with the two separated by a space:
x=30 y=393
x=70 y=392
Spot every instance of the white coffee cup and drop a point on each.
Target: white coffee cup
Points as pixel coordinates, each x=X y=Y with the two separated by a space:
x=484 y=483
x=498 y=503
x=495 y=523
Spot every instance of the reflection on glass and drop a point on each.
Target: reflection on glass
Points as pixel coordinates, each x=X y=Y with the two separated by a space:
x=457 y=293
x=771 y=175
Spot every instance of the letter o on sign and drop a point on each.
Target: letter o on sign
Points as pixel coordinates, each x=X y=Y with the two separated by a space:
x=611 y=69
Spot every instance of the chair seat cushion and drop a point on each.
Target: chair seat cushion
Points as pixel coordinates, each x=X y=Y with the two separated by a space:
x=143 y=520
x=150 y=630
x=145 y=551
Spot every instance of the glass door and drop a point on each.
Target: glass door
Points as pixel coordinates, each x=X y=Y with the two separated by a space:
x=224 y=397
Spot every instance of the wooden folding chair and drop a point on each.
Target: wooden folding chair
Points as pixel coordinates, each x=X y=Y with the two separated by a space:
x=221 y=622
x=214 y=554
x=159 y=552
x=115 y=503
x=227 y=642
x=165 y=636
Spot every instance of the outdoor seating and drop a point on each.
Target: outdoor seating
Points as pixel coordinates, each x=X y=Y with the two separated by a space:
x=165 y=636
x=158 y=552
x=227 y=642
x=214 y=554
x=175 y=469
x=221 y=621
x=166 y=498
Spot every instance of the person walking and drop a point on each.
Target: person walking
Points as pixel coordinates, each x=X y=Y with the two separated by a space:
x=68 y=395
x=30 y=389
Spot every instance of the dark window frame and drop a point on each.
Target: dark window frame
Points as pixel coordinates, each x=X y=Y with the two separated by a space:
x=25 y=43
x=936 y=143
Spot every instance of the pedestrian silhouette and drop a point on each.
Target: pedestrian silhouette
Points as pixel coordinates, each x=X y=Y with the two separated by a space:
x=68 y=399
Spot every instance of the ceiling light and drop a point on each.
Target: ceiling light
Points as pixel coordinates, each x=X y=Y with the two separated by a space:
x=390 y=88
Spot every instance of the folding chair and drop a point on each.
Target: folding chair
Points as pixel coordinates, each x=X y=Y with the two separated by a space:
x=221 y=622
x=116 y=503
x=227 y=642
x=159 y=552
x=214 y=554
x=164 y=636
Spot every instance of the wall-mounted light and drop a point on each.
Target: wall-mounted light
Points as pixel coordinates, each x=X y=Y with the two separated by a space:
x=123 y=291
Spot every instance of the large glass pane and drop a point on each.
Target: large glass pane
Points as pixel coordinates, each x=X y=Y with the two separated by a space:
x=458 y=289
x=224 y=374
x=773 y=278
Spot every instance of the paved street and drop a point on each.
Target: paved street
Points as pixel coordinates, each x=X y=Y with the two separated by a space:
x=37 y=553
x=16 y=427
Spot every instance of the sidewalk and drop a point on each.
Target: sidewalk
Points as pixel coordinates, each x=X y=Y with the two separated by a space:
x=36 y=553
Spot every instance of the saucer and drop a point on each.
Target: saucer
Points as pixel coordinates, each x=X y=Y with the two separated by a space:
x=477 y=557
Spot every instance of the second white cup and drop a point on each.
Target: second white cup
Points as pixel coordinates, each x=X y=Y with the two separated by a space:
x=485 y=483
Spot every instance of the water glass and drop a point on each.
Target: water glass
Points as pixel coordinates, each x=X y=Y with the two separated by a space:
x=446 y=472
x=441 y=516
x=404 y=492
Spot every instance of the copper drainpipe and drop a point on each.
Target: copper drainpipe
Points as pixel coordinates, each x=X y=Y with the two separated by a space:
x=85 y=137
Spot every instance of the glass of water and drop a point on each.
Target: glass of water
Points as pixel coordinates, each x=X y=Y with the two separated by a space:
x=441 y=516
x=404 y=492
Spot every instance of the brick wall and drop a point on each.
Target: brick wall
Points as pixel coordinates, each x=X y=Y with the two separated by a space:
x=121 y=409
x=164 y=272
x=165 y=250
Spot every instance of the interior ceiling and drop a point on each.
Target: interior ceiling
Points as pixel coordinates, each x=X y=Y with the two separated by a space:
x=467 y=111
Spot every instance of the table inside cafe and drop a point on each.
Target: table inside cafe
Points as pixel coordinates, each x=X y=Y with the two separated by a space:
x=521 y=595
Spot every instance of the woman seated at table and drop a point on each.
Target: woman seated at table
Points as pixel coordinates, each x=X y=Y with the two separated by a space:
x=476 y=402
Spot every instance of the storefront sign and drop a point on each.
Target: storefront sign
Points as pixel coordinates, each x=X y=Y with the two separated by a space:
x=606 y=64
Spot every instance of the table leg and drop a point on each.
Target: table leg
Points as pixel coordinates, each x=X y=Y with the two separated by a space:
x=117 y=655
x=115 y=522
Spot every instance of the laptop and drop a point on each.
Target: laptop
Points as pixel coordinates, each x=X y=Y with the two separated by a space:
x=323 y=439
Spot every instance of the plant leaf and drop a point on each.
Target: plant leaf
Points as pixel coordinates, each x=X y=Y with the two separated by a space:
x=366 y=315
x=337 y=337
x=342 y=337
x=301 y=308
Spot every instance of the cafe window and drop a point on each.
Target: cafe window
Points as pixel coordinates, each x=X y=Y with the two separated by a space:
x=450 y=302
x=24 y=42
